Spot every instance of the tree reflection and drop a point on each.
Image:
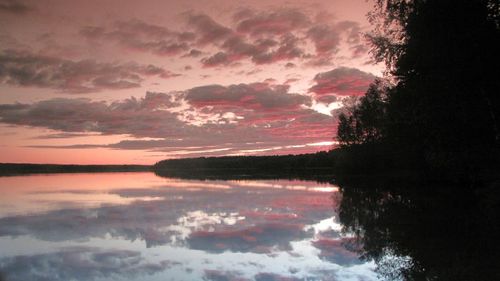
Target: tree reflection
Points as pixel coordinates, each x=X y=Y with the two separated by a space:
x=416 y=230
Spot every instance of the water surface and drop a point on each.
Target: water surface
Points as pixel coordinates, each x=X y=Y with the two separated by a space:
x=138 y=226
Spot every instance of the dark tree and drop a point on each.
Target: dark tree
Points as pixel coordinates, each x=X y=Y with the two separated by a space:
x=365 y=121
x=444 y=110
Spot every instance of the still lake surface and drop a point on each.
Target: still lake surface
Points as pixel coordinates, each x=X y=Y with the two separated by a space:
x=138 y=226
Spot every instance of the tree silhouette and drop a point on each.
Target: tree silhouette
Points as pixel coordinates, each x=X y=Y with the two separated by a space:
x=443 y=110
x=365 y=122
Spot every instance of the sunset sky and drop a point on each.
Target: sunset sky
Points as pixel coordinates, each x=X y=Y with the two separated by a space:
x=122 y=81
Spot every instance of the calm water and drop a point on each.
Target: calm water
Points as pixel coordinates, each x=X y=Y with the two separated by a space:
x=137 y=226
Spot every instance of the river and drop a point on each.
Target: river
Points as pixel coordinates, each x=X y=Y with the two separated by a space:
x=138 y=226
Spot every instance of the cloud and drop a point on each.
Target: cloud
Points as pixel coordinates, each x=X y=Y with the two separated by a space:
x=220 y=58
x=194 y=53
x=325 y=39
x=267 y=276
x=334 y=251
x=82 y=263
x=26 y=69
x=130 y=116
x=176 y=212
x=259 y=238
x=330 y=38
x=207 y=29
x=183 y=220
x=213 y=119
x=63 y=135
x=14 y=7
x=288 y=49
x=352 y=29
x=237 y=48
x=256 y=96
x=278 y=22
x=138 y=35
x=342 y=81
x=262 y=37
x=219 y=275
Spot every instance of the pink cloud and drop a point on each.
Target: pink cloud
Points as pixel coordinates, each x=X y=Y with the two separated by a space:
x=335 y=250
x=257 y=238
x=207 y=29
x=275 y=22
x=84 y=76
x=245 y=118
x=137 y=35
x=342 y=81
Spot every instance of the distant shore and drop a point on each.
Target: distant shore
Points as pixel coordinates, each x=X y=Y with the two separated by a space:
x=13 y=169
x=205 y=167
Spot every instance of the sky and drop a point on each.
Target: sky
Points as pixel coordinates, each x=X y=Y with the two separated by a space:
x=122 y=81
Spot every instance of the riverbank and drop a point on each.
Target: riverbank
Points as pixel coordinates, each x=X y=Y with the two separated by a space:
x=13 y=169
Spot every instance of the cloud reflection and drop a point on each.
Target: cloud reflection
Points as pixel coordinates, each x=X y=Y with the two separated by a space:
x=80 y=263
x=194 y=230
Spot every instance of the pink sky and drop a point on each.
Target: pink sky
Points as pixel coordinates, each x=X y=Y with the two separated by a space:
x=141 y=81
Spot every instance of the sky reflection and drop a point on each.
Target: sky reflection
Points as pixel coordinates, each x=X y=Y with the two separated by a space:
x=136 y=226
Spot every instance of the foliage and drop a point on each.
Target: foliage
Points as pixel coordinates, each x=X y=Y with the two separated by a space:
x=365 y=122
x=316 y=166
x=443 y=110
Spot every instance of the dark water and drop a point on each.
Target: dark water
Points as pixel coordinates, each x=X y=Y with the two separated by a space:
x=138 y=226
x=421 y=230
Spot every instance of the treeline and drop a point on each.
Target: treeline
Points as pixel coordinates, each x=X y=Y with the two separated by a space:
x=320 y=160
x=317 y=166
x=439 y=108
x=10 y=169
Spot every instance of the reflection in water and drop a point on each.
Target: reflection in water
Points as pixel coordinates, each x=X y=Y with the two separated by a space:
x=137 y=226
x=421 y=231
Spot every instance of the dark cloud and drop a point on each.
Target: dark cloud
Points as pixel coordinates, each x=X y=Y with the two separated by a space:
x=218 y=275
x=141 y=36
x=328 y=37
x=288 y=49
x=130 y=116
x=31 y=70
x=336 y=252
x=257 y=96
x=194 y=53
x=266 y=276
x=80 y=263
x=93 y=32
x=352 y=30
x=342 y=81
x=148 y=221
x=325 y=39
x=274 y=22
x=259 y=238
x=207 y=29
x=141 y=28
x=359 y=50
x=183 y=218
x=14 y=7
x=262 y=37
x=237 y=48
x=227 y=119
x=220 y=58
x=62 y=136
